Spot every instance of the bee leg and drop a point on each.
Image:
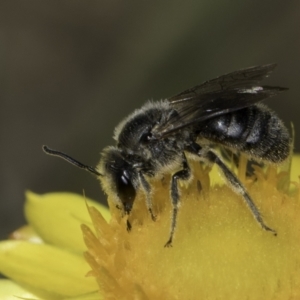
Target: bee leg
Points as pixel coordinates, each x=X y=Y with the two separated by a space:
x=183 y=174
x=128 y=225
x=238 y=187
x=147 y=189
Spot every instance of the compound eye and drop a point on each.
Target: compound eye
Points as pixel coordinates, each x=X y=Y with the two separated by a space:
x=125 y=191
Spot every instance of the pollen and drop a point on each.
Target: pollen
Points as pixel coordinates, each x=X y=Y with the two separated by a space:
x=219 y=250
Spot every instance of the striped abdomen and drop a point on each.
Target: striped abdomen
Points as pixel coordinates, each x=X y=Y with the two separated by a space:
x=255 y=130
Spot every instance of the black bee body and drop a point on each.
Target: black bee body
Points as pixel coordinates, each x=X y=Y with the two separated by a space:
x=255 y=130
x=139 y=136
x=155 y=139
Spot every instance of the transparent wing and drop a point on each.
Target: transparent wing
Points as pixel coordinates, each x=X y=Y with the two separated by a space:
x=221 y=95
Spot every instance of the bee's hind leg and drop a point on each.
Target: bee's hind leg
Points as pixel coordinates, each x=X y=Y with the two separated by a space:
x=183 y=174
x=233 y=182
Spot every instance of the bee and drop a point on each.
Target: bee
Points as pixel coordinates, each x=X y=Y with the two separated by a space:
x=157 y=138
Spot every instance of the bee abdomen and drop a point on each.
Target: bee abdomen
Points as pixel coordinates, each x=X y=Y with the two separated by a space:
x=255 y=130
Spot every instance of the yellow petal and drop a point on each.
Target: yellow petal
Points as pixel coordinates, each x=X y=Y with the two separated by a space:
x=295 y=170
x=9 y=290
x=57 y=217
x=90 y=296
x=45 y=267
x=26 y=233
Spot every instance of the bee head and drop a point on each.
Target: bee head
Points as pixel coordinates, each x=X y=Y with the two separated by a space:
x=120 y=177
x=116 y=170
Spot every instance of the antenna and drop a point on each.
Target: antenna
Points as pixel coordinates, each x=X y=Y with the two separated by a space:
x=71 y=160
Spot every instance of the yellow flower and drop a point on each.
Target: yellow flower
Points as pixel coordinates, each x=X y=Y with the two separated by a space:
x=219 y=251
x=47 y=259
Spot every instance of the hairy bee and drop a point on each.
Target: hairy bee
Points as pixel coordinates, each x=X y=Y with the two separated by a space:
x=155 y=139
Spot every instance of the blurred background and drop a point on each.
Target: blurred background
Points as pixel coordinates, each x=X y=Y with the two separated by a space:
x=71 y=70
